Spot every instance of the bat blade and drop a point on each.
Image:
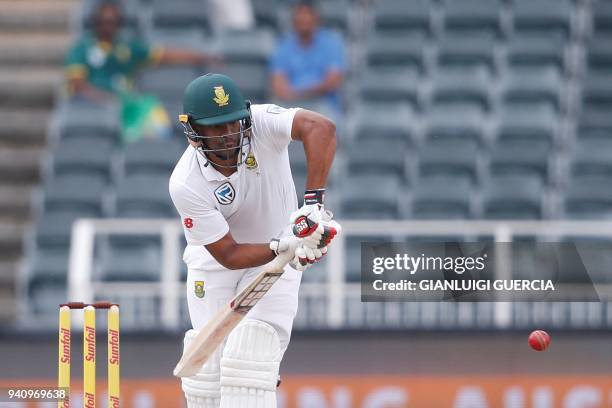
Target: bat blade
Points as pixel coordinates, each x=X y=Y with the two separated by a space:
x=218 y=328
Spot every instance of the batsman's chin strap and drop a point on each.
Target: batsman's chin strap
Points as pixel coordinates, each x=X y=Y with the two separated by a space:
x=315 y=196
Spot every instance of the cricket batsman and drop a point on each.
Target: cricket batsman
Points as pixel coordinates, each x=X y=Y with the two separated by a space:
x=235 y=194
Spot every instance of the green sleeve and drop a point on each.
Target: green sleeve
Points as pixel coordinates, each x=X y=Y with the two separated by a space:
x=76 y=62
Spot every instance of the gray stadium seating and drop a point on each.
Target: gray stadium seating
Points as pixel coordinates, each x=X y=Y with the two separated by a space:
x=45 y=294
x=252 y=46
x=467 y=51
x=473 y=16
x=449 y=158
x=513 y=197
x=461 y=86
x=536 y=51
x=75 y=193
x=589 y=197
x=50 y=263
x=390 y=85
x=602 y=17
x=266 y=13
x=374 y=157
x=392 y=50
x=378 y=121
x=533 y=85
x=592 y=158
x=527 y=123
x=520 y=157
x=600 y=54
x=179 y=14
x=441 y=197
x=402 y=15
x=53 y=229
x=251 y=77
x=144 y=196
x=461 y=123
x=597 y=91
x=86 y=120
x=131 y=263
x=334 y=14
x=83 y=157
x=543 y=16
x=370 y=197
x=297 y=158
x=166 y=82
x=153 y=156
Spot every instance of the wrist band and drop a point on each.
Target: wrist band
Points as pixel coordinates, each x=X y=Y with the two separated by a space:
x=316 y=196
x=274 y=244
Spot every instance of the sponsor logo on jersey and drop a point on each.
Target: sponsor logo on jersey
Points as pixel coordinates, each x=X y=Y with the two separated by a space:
x=198 y=289
x=275 y=109
x=221 y=97
x=225 y=193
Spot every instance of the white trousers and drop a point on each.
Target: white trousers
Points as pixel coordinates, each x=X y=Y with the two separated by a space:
x=210 y=287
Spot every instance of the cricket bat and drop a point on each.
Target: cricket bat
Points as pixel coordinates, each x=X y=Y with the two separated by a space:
x=218 y=328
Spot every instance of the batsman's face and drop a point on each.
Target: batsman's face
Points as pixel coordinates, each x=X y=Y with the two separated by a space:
x=224 y=137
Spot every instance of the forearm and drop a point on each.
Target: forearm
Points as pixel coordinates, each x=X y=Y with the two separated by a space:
x=240 y=256
x=320 y=149
x=332 y=82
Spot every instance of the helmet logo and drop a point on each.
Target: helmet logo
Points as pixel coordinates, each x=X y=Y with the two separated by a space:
x=221 y=97
x=225 y=193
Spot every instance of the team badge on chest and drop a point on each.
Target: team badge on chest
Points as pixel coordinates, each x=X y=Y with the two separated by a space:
x=225 y=193
x=198 y=289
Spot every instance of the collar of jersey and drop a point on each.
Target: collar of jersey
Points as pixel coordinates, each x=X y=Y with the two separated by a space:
x=211 y=174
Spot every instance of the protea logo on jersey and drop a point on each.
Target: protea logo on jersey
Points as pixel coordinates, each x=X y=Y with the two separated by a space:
x=89 y=400
x=90 y=340
x=65 y=346
x=113 y=342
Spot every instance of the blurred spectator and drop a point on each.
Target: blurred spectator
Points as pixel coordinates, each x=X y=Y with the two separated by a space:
x=101 y=67
x=232 y=15
x=309 y=62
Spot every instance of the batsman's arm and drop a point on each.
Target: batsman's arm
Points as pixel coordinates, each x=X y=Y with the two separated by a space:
x=318 y=134
x=233 y=255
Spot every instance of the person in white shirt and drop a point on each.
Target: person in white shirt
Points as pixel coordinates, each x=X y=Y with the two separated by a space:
x=235 y=194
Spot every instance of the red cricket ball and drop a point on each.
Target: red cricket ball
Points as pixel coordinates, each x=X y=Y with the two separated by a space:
x=539 y=340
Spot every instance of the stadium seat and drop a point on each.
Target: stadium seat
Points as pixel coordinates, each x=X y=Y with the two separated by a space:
x=549 y=17
x=45 y=294
x=87 y=120
x=153 y=156
x=527 y=123
x=600 y=54
x=461 y=123
x=395 y=51
x=167 y=82
x=597 y=91
x=472 y=16
x=179 y=14
x=252 y=46
x=266 y=13
x=53 y=229
x=83 y=157
x=595 y=122
x=441 y=197
x=131 y=263
x=75 y=193
x=383 y=121
x=513 y=197
x=402 y=16
x=449 y=158
x=592 y=158
x=390 y=85
x=297 y=158
x=521 y=158
x=373 y=157
x=251 y=77
x=144 y=196
x=466 y=51
x=191 y=38
x=536 y=51
x=461 y=86
x=589 y=197
x=334 y=14
x=370 y=197
x=50 y=263
x=532 y=85
x=602 y=17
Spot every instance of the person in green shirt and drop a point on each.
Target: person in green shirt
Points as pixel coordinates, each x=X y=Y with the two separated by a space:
x=101 y=67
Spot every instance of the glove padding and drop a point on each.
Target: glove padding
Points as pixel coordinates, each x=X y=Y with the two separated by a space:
x=305 y=254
